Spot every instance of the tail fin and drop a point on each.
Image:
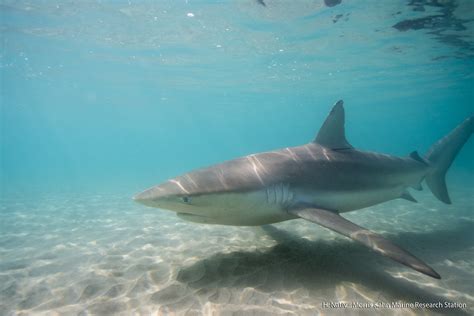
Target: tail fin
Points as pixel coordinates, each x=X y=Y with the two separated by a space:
x=441 y=156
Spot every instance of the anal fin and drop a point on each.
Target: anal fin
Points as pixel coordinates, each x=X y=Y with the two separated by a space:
x=418 y=186
x=407 y=196
x=337 y=223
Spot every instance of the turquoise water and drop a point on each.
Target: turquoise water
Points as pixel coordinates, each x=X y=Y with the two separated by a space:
x=102 y=99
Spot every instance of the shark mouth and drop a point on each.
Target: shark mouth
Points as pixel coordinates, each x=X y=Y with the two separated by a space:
x=195 y=218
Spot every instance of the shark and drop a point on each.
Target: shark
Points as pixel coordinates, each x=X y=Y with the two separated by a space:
x=317 y=182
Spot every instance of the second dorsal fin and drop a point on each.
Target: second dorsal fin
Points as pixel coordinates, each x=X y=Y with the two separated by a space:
x=414 y=155
x=332 y=133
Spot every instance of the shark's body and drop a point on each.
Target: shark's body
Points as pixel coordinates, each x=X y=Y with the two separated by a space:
x=316 y=181
x=268 y=183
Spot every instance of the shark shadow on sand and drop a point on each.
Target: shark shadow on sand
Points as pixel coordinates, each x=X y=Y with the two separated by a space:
x=297 y=263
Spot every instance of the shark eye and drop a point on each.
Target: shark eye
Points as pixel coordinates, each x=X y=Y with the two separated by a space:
x=186 y=199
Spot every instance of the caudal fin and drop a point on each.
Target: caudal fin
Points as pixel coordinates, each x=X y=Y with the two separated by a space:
x=441 y=156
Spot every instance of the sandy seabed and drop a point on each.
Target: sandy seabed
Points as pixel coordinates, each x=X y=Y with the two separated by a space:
x=92 y=254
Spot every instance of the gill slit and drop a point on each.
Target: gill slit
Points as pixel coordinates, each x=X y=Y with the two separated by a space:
x=279 y=194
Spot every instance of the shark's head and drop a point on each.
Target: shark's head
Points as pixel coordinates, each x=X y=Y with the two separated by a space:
x=205 y=192
x=171 y=195
x=231 y=193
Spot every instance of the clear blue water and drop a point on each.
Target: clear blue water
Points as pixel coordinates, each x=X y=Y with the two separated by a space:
x=102 y=99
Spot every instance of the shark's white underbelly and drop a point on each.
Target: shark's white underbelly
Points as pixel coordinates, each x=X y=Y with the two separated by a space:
x=244 y=209
x=270 y=204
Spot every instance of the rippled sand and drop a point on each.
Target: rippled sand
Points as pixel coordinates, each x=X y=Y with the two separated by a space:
x=92 y=254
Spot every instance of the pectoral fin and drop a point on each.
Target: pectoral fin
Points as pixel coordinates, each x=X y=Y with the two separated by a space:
x=337 y=223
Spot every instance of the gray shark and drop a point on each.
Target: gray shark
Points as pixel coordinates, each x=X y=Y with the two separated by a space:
x=317 y=182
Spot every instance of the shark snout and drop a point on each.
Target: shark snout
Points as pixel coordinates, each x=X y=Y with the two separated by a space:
x=160 y=195
x=151 y=196
x=142 y=196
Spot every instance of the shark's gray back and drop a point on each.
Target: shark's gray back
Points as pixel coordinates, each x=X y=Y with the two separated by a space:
x=310 y=166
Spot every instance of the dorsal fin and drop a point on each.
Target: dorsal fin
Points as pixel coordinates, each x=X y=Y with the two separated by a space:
x=332 y=134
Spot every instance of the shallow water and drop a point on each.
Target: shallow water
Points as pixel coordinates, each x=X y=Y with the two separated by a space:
x=102 y=99
x=103 y=254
